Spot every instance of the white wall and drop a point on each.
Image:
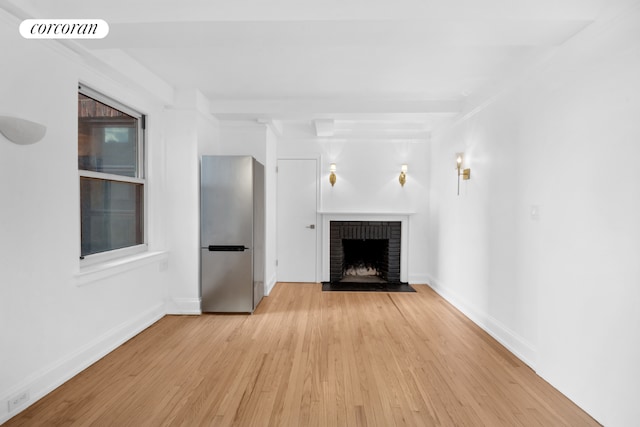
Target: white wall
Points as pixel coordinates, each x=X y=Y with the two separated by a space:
x=367 y=181
x=561 y=290
x=257 y=140
x=53 y=320
x=243 y=139
x=271 y=206
x=190 y=132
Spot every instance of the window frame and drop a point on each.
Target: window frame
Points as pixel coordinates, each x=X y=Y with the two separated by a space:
x=139 y=178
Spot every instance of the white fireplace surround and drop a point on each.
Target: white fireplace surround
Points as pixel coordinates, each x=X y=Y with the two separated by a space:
x=403 y=217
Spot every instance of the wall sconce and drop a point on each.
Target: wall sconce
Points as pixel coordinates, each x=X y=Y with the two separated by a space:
x=464 y=173
x=403 y=175
x=21 y=131
x=332 y=175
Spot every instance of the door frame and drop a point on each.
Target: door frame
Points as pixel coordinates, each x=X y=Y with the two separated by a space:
x=318 y=221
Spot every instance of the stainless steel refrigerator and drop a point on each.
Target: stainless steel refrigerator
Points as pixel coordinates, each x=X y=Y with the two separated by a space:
x=231 y=233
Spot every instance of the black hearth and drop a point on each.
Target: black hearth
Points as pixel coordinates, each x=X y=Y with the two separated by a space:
x=364 y=251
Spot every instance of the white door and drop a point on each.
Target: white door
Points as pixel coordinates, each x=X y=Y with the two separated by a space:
x=297 y=228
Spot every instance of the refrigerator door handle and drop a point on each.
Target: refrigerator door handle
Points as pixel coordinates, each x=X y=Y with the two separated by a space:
x=227 y=248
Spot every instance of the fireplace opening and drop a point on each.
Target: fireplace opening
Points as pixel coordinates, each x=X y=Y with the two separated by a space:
x=365 y=260
x=364 y=251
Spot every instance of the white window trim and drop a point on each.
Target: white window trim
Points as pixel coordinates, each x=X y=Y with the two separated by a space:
x=105 y=260
x=103 y=257
x=111 y=177
x=104 y=269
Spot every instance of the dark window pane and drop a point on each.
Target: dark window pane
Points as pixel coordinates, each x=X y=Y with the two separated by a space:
x=107 y=138
x=112 y=215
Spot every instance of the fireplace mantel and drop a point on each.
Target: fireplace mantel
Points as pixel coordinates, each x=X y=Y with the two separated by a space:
x=402 y=216
x=365 y=213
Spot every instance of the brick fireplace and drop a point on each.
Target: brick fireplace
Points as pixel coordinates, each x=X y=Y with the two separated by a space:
x=365 y=251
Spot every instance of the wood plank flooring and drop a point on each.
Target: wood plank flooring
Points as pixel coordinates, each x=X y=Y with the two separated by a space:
x=308 y=358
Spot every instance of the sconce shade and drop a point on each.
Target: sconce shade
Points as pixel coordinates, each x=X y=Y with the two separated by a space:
x=21 y=131
x=459 y=160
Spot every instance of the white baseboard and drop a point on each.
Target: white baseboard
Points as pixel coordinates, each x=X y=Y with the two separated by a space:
x=520 y=347
x=190 y=306
x=269 y=285
x=420 y=279
x=45 y=380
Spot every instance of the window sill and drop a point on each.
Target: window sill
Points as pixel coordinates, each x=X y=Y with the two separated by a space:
x=106 y=269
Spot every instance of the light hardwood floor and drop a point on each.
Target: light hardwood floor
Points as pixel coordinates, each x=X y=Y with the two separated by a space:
x=308 y=358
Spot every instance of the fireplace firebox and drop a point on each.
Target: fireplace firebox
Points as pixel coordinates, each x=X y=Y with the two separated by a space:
x=364 y=251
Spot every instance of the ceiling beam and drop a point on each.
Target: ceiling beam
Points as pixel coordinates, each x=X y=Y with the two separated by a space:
x=324 y=127
x=295 y=108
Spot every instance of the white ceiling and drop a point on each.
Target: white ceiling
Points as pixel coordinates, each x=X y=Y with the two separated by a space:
x=368 y=63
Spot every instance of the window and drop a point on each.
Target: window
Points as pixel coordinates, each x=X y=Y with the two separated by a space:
x=111 y=170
